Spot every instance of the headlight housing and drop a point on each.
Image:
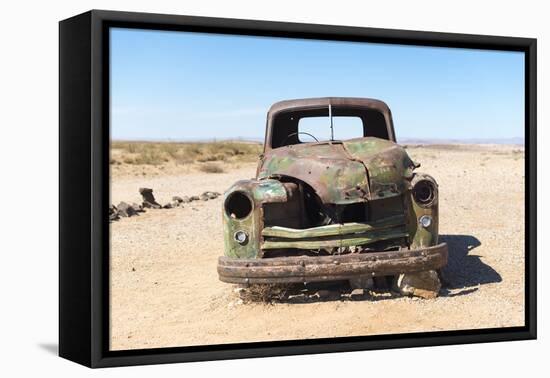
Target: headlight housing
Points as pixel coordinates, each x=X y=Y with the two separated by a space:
x=238 y=205
x=425 y=192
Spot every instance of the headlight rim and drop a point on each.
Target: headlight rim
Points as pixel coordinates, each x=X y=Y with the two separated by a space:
x=226 y=206
x=421 y=199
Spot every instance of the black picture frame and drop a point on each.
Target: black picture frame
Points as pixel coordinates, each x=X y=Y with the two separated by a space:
x=84 y=187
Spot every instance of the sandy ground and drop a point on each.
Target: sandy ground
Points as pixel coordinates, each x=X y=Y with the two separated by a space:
x=165 y=290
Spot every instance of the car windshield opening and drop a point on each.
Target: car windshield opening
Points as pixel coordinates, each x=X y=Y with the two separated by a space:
x=314 y=124
x=311 y=129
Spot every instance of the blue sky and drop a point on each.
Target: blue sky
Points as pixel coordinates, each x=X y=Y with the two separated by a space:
x=192 y=86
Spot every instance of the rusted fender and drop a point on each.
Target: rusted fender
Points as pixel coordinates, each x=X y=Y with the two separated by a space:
x=331 y=268
x=258 y=192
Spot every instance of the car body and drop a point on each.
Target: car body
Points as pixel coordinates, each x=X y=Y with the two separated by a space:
x=333 y=209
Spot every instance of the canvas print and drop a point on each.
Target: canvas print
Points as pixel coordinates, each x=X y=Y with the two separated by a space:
x=269 y=189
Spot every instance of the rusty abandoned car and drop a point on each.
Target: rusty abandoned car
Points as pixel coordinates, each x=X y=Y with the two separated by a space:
x=329 y=209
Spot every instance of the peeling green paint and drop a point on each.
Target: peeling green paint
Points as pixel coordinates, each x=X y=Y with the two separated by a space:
x=374 y=175
x=333 y=229
x=248 y=225
x=420 y=236
x=335 y=235
x=259 y=191
x=344 y=172
x=388 y=164
x=343 y=241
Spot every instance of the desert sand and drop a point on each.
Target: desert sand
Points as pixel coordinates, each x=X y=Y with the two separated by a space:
x=164 y=289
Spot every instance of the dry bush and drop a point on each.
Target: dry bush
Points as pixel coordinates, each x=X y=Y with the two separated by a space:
x=140 y=153
x=182 y=159
x=150 y=157
x=265 y=293
x=155 y=153
x=216 y=157
x=211 y=168
x=241 y=151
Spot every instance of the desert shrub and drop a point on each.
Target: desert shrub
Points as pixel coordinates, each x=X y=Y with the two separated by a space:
x=150 y=157
x=211 y=168
x=183 y=159
x=170 y=149
x=207 y=158
x=155 y=153
x=212 y=157
x=264 y=293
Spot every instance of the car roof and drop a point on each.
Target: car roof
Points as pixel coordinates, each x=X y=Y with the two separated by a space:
x=323 y=102
x=305 y=103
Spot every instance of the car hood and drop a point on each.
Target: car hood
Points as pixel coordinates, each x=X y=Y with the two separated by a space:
x=343 y=172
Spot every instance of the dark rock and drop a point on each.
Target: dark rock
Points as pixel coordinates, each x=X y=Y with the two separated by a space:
x=210 y=195
x=194 y=198
x=125 y=210
x=149 y=205
x=138 y=208
x=171 y=205
x=148 y=198
x=422 y=284
x=177 y=199
x=204 y=197
x=357 y=294
x=146 y=193
x=113 y=213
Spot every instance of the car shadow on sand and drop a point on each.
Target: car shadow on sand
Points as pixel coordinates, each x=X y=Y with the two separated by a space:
x=464 y=272
x=465 y=269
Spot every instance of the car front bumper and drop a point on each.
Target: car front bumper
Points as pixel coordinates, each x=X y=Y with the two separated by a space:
x=330 y=268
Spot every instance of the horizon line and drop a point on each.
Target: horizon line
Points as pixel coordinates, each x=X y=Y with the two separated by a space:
x=409 y=140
